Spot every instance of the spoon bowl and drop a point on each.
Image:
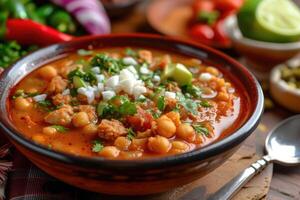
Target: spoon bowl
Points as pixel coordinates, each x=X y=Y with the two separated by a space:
x=283 y=142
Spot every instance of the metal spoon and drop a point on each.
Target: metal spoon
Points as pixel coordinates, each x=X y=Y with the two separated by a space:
x=282 y=146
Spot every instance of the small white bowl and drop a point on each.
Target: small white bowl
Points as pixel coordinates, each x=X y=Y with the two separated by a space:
x=262 y=55
x=281 y=91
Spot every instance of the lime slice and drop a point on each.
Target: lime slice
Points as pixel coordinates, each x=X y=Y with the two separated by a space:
x=270 y=20
x=179 y=73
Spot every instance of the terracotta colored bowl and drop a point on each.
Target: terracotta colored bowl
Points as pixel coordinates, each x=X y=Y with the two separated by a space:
x=133 y=177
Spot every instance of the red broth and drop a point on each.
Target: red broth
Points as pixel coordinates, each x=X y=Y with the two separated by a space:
x=127 y=104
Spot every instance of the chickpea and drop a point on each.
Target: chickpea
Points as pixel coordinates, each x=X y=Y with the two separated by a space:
x=32 y=90
x=223 y=96
x=159 y=144
x=213 y=71
x=47 y=72
x=38 y=138
x=179 y=147
x=22 y=104
x=175 y=117
x=80 y=119
x=166 y=127
x=122 y=143
x=109 y=152
x=49 y=131
x=90 y=130
x=138 y=144
x=130 y=154
x=186 y=132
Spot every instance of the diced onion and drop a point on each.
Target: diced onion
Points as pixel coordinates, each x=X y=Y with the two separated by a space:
x=40 y=97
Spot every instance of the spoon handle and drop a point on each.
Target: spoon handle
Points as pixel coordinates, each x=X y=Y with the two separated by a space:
x=233 y=186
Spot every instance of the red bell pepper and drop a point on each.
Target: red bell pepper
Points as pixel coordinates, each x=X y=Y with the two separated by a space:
x=28 y=32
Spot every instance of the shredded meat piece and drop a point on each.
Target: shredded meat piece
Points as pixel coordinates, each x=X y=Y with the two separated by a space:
x=62 y=116
x=57 y=85
x=60 y=99
x=90 y=110
x=173 y=87
x=29 y=121
x=111 y=129
x=170 y=103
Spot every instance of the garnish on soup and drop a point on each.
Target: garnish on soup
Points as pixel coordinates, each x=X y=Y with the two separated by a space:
x=125 y=104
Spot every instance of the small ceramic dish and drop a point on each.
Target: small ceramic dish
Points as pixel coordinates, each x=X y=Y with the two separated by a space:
x=171 y=18
x=132 y=177
x=263 y=56
x=284 y=94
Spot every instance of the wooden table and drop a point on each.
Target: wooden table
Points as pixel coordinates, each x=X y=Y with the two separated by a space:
x=285 y=184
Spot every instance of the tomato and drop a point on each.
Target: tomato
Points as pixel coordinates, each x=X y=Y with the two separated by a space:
x=202 y=32
x=228 y=5
x=140 y=121
x=203 y=5
x=220 y=34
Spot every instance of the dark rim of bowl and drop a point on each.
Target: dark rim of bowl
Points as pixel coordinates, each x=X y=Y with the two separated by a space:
x=211 y=150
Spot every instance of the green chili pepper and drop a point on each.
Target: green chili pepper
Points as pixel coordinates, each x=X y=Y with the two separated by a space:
x=17 y=9
x=62 y=21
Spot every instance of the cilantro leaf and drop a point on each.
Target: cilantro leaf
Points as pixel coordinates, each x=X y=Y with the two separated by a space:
x=192 y=90
x=60 y=128
x=205 y=104
x=131 y=134
x=107 y=63
x=200 y=129
x=128 y=108
x=97 y=146
x=188 y=104
x=161 y=103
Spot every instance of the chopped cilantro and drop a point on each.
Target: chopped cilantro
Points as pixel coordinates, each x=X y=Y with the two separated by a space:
x=18 y=93
x=192 y=90
x=60 y=128
x=105 y=62
x=128 y=108
x=45 y=103
x=84 y=52
x=77 y=72
x=187 y=103
x=155 y=115
x=200 y=129
x=97 y=146
x=88 y=77
x=131 y=134
x=161 y=103
x=130 y=52
x=205 y=104
x=73 y=92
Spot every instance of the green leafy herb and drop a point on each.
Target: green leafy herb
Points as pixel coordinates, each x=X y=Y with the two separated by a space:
x=192 y=90
x=131 y=134
x=60 y=128
x=77 y=72
x=45 y=103
x=200 y=129
x=73 y=92
x=161 y=103
x=10 y=52
x=19 y=93
x=141 y=99
x=130 y=52
x=187 y=103
x=97 y=146
x=205 y=104
x=128 y=108
x=155 y=115
x=107 y=63
x=208 y=17
x=84 y=52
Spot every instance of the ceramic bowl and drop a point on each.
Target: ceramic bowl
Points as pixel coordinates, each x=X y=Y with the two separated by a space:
x=132 y=177
x=262 y=56
x=285 y=95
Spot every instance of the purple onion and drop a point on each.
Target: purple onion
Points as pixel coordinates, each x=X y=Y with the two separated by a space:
x=89 y=13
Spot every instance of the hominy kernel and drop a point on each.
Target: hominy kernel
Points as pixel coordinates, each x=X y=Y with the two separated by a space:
x=166 y=127
x=22 y=104
x=159 y=144
x=186 y=132
x=109 y=152
x=122 y=143
x=80 y=119
x=47 y=72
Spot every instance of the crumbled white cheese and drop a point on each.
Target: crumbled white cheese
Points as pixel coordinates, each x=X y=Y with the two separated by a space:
x=96 y=70
x=129 y=61
x=40 y=97
x=144 y=70
x=89 y=92
x=107 y=95
x=126 y=74
x=112 y=82
x=205 y=76
x=138 y=90
x=127 y=85
x=171 y=95
x=66 y=92
x=156 y=78
x=100 y=78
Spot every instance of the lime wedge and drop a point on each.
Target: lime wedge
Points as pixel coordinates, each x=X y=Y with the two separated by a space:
x=270 y=20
